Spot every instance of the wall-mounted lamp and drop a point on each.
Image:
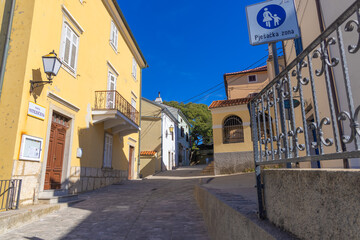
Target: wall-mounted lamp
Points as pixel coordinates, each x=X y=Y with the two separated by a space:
x=52 y=66
x=171 y=129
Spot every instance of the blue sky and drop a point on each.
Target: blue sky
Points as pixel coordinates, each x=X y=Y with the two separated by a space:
x=189 y=45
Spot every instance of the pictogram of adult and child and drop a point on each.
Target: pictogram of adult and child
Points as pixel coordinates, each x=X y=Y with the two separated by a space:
x=271 y=16
x=268 y=18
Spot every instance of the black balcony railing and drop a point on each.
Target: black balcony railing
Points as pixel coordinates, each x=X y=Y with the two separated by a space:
x=10 y=194
x=112 y=100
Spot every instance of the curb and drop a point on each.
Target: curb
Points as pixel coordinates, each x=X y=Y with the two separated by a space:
x=224 y=222
x=15 y=218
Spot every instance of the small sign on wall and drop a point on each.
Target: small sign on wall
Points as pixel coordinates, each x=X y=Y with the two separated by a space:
x=30 y=148
x=36 y=111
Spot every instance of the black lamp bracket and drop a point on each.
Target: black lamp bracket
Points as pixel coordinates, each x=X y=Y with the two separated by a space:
x=35 y=84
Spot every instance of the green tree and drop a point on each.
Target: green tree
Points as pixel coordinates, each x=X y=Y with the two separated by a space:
x=199 y=117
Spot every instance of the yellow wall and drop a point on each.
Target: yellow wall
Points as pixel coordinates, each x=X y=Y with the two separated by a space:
x=150 y=138
x=239 y=87
x=11 y=106
x=218 y=117
x=36 y=32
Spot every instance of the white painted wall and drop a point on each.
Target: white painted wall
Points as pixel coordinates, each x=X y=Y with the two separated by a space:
x=182 y=140
x=168 y=145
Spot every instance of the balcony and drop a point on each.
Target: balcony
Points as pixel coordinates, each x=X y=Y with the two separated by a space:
x=115 y=112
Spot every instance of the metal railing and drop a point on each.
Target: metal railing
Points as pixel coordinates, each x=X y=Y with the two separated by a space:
x=305 y=116
x=112 y=100
x=10 y=194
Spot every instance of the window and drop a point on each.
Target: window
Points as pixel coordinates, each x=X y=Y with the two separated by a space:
x=69 y=47
x=108 y=151
x=182 y=132
x=233 y=130
x=111 y=87
x=252 y=78
x=251 y=95
x=134 y=68
x=133 y=109
x=187 y=137
x=114 y=36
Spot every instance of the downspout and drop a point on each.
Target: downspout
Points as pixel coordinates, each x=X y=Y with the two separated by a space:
x=161 y=135
x=6 y=46
x=139 y=143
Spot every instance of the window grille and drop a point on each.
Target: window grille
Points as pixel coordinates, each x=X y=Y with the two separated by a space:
x=233 y=130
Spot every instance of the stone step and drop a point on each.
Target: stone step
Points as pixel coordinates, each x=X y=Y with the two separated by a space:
x=209 y=169
x=69 y=198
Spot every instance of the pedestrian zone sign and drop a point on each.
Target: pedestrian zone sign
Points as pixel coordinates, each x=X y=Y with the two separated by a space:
x=272 y=21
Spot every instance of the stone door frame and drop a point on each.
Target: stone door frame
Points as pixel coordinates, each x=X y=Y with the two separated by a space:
x=67 y=151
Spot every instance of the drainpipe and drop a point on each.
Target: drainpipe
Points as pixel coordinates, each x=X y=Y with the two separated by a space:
x=139 y=139
x=161 y=135
x=6 y=46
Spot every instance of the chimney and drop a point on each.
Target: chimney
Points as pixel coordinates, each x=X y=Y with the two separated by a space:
x=158 y=99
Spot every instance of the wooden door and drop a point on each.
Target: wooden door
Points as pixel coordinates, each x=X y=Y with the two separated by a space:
x=55 y=157
x=131 y=161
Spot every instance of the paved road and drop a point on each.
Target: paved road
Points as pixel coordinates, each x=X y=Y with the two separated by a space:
x=161 y=207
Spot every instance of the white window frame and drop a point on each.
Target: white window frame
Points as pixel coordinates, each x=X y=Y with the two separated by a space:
x=114 y=35
x=248 y=77
x=108 y=148
x=134 y=68
x=110 y=99
x=67 y=66
x=24 y=140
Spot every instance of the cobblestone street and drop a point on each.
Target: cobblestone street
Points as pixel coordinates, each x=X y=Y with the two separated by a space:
x=161 y=207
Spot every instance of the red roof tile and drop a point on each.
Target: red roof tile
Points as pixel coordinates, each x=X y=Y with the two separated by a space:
x=228 y=103
x=258 y=69
x=147 y=153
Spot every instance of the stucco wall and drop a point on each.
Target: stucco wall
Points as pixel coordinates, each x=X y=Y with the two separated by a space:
x=218 y=117
x=314 y=204
x=168 y=143
x=240 y=87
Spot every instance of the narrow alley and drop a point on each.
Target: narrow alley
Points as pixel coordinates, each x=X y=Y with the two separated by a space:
x=161 y=207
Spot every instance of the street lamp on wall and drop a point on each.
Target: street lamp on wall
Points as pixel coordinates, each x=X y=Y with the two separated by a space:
x=51 y=64
x=171 y=129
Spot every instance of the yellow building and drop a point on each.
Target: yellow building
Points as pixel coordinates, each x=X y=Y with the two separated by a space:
x=233 y=149
x=82 y=131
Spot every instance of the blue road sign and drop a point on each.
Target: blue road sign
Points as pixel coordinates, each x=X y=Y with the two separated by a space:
x=272 y=21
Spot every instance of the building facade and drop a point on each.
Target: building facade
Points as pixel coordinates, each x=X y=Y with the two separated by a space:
x=233 y=149
x=158 y=138
x=183 y=137
x=82 y=131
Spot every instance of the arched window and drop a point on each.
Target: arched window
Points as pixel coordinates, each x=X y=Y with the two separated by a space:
x=233 y=130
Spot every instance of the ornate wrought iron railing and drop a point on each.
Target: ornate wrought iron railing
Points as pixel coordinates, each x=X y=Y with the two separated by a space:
x=308 y=111
x=112 y=100
x=10 y=194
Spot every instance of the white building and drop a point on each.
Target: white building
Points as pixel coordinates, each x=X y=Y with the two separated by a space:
x=183 y=137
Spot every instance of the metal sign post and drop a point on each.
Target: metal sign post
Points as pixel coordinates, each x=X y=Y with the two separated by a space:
x=270 y=22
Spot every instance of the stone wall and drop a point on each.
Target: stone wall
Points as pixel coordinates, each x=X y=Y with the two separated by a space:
x=29 y=172
x=314 y=203
x=81 y=179
x=233 y=162
x=84 y=179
